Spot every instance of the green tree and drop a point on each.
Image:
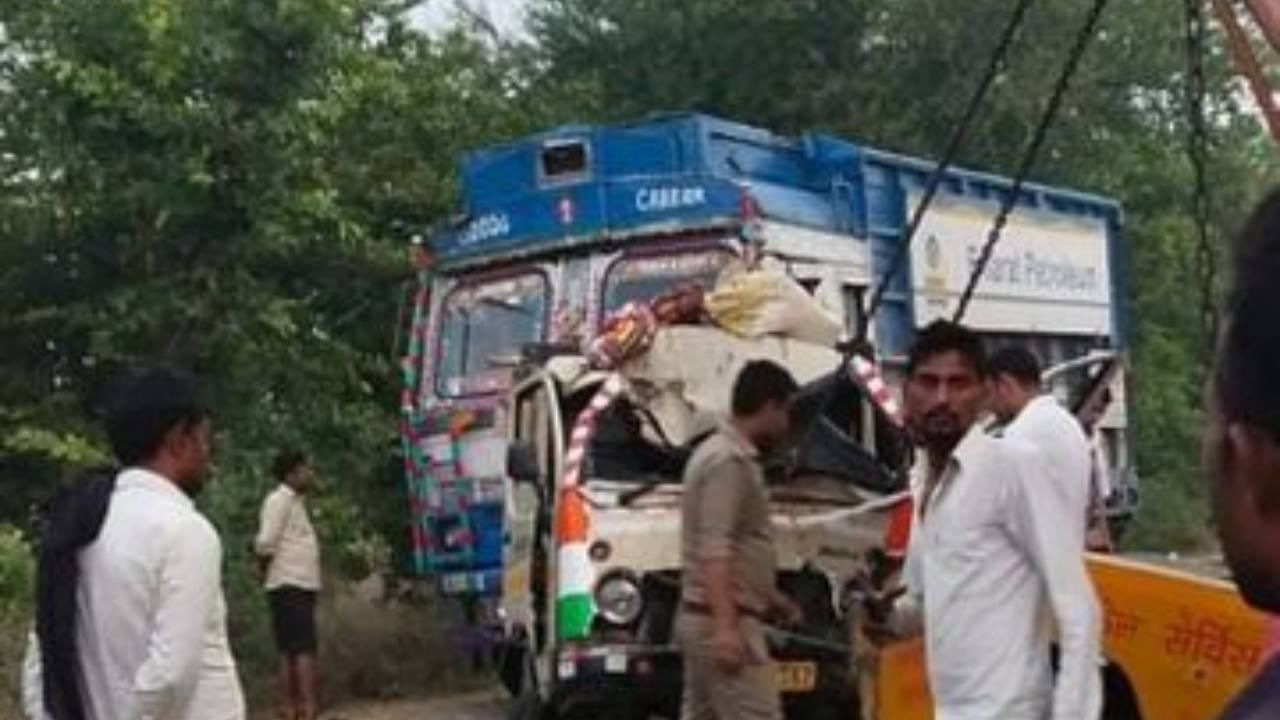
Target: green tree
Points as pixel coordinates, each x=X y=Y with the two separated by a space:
x=227 y=186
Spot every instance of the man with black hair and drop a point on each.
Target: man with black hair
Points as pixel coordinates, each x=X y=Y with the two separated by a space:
x=727 y=544
x=290 y=554
x=986 y=561
x=1032 y=416
x=1242 y=439
x=150 y=635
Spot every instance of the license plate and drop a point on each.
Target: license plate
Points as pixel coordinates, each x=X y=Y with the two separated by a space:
x=797 y=677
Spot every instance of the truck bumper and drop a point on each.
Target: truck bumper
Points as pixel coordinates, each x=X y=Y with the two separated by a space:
x=618 y=682
x=622 y=682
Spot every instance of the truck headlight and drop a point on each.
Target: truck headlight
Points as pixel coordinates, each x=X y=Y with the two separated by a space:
x=618 y=598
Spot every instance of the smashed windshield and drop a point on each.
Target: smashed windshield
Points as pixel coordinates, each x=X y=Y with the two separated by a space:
x=484 y=327
x=643 y=278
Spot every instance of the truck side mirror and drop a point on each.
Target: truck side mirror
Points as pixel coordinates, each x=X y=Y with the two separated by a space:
x=522 y=463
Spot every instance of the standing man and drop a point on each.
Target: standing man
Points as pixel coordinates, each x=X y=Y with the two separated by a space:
x=1242 y=440
x=150 y=633
x=290 y=553
x=987 y=560
x=1036 y=418
x=727 y=544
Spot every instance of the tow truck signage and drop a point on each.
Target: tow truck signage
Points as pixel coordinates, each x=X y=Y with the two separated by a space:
x=1186 y=645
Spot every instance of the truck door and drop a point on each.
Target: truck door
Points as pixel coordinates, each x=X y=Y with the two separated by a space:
x=537 y=445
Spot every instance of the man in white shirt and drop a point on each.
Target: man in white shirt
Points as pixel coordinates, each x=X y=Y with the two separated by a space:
x=151 y=635
x=290 y=553
x=1029 y=415
x=986 y=561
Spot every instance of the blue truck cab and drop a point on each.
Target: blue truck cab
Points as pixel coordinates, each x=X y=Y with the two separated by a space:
x=559 y=229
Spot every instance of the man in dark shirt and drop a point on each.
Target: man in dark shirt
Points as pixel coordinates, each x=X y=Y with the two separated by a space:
x=1242 y=440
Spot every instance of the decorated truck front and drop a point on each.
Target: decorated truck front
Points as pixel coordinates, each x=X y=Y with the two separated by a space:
x=559 y=230
x=593 y=570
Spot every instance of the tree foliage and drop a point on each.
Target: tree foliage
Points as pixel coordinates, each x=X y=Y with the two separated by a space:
x=226 y=185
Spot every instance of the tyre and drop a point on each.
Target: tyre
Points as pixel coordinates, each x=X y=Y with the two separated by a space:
x=1119 y=699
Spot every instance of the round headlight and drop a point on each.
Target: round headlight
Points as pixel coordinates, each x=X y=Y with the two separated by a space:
x=618 y=599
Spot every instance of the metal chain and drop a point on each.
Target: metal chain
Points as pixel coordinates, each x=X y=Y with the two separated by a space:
x=1197 y=153
x=1033 y=150
x=940 y=171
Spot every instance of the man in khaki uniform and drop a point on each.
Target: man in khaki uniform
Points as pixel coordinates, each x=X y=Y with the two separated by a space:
x=727 y=545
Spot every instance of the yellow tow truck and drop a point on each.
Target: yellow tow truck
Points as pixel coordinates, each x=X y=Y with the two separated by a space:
x=1178 y=640
x=1178 y=646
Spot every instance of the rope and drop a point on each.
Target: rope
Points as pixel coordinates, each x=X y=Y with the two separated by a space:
x=940 y=171
x=1033 y=150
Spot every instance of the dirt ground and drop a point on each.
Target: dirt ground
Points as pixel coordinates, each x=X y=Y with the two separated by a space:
x=475 y=706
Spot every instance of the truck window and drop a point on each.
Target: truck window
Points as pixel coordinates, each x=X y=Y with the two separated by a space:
x=483 y=328
x=644 y=277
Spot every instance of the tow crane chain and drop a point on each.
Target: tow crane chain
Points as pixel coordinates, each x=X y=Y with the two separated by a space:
x=940 y=171
x=1033 y=150
x=1197 y=153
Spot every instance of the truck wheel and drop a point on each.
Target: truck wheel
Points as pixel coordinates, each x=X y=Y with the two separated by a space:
x=1119 y=700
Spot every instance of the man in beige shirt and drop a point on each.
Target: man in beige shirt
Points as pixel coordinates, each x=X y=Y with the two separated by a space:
x=728 y=553
x=290 y=554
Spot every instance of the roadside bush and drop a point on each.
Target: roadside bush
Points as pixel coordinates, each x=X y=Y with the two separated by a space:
x=17 y=575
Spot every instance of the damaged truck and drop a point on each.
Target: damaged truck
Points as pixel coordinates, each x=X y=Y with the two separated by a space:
x=577 y=333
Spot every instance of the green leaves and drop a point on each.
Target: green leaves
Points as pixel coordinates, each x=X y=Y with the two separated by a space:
x=63 y=448
x=17 y=575
x=227 y=186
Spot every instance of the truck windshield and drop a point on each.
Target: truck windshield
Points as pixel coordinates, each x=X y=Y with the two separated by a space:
x=483 y=329
x=644 y=277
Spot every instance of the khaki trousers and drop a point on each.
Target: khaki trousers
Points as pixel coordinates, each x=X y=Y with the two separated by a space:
x=712 y=694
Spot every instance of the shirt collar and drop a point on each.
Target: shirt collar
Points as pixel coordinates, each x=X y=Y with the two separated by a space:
x=151 y=481
x=1034 y=405
x=962 y=455
x=739 y=440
